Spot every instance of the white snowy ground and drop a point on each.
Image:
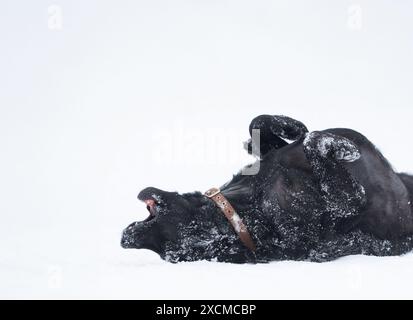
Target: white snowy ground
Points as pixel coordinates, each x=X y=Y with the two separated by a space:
x=159 y=93
x=118 y=274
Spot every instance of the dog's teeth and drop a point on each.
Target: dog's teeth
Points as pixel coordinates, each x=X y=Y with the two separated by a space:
x=151 y=206
x=150 y=202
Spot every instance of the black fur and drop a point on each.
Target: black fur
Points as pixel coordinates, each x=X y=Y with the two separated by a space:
x=327 y=194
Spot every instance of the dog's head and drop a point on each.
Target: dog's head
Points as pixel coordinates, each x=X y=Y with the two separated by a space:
x=184 y=227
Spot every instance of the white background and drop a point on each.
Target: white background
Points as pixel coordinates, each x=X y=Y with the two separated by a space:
x=119 y=95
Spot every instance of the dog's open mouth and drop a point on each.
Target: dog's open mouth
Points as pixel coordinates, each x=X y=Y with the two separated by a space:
x=151 y=206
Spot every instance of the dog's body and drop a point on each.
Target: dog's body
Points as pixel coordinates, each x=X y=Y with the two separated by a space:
x=327 y=194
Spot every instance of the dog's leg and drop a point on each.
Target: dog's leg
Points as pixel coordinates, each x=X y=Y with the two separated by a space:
x=272 y=131
x=343 y=195
x=340 y=246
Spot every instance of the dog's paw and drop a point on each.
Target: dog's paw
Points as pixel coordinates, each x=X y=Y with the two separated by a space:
x=329 y=145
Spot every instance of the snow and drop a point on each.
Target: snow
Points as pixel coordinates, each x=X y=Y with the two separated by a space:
x=237 y=222
x=120 y=274
x=324 y=145
x=344 y=149
x=82 y=109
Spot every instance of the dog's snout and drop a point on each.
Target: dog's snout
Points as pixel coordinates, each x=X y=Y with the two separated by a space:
x=125 y=241
x=150 y=194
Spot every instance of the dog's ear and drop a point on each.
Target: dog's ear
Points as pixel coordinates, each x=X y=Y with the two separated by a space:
x=268 y=132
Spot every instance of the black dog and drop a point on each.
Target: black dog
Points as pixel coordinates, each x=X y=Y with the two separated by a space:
x=328 y=194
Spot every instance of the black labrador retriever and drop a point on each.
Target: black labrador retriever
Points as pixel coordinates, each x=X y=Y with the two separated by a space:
x=326 y=195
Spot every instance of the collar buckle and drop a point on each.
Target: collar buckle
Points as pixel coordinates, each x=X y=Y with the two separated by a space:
x=212 y=192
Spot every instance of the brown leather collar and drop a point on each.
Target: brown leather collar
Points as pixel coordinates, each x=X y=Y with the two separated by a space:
x=232 y=216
